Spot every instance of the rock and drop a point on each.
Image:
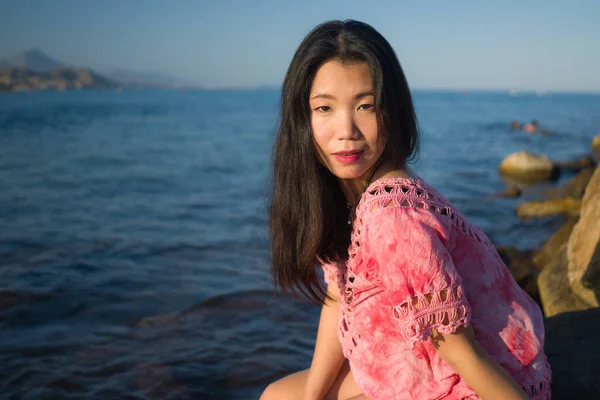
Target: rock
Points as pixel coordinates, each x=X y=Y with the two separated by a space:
x=591 y=277
x=511 y=191
x=528 y=167
x=574 y=187
x=551 y=247
x=576 y=165
x=556 y=294
x=573 y=349
x=522 y=268
x=543 y=208
x=570 y=278
x=596 y=142
x=582 y=249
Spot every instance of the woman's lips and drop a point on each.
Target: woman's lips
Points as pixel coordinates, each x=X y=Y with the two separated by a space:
x=348 y=157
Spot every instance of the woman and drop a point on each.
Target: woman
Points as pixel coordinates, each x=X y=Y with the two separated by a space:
x=417 y=299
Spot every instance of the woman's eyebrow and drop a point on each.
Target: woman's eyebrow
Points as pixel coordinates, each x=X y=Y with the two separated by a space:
x=330 y=96
x=322 y=96
x=364 y=94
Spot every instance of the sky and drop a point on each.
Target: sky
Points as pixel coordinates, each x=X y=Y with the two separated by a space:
x=525 y=45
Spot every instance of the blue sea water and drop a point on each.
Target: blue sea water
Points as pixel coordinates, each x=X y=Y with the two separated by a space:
x=133 y=242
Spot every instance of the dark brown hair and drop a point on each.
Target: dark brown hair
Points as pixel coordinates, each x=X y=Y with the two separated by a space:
x=307 y=213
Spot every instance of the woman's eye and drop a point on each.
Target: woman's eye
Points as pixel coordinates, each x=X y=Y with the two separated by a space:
x=366 y=107
x=323 y=109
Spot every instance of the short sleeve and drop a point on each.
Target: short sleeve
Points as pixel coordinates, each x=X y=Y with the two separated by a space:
x=331 y=272
x=409 y=247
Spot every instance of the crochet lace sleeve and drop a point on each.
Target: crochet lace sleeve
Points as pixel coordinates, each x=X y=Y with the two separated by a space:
x=331 y=272
x=409 y=246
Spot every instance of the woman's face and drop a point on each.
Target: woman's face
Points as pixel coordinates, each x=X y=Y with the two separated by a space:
x=344 y=119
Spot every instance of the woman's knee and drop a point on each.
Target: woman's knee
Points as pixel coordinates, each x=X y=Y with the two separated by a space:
x=268 y=393
x=275 y=391
x=290 y=387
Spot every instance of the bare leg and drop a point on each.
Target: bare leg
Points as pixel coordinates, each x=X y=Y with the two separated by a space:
x=291 y=387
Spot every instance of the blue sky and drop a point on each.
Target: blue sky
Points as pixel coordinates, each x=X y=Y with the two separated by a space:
x=543 y=45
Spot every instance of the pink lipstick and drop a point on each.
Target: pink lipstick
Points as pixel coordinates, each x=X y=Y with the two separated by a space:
x=348 y=157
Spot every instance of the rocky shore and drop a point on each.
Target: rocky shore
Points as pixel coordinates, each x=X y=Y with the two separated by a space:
x=564 y=274
x=60 y=78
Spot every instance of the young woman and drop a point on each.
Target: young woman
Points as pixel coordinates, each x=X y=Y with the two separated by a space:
x=418 y=303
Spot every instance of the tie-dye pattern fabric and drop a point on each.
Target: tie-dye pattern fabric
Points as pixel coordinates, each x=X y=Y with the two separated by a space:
x=416 y=264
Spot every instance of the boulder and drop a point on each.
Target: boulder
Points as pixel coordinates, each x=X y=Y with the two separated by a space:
x=551 y=247
x=576 y=165
x=582 y=248
x=543 y=208
x=596 y=142
x=556 y=294
x=596 y=147
x=527 y=167
x=573 y=349
x=574 y=187
x=511 y=191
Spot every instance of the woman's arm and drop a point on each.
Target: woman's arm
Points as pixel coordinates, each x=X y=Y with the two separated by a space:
x=473 y=363
x=328 y=356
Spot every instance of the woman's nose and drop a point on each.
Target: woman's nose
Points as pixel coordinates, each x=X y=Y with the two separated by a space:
x=347 y=128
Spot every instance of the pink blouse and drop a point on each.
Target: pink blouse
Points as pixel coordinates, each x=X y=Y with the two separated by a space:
x=416 y=264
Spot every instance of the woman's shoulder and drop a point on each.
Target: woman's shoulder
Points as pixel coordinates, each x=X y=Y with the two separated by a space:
x=396 y=202
x=407 y=192
x=420 y=202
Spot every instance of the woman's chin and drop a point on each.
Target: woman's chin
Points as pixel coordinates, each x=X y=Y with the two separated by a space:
x=348 y=175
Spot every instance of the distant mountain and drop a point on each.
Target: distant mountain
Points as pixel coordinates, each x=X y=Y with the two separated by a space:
x=35 y=70
x=146 y=79
x=32 y=60
x=61 y=78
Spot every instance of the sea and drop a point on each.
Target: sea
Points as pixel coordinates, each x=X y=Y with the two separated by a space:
x=134 y=259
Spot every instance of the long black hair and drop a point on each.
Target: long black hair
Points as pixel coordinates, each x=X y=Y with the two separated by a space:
x=307 y=213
